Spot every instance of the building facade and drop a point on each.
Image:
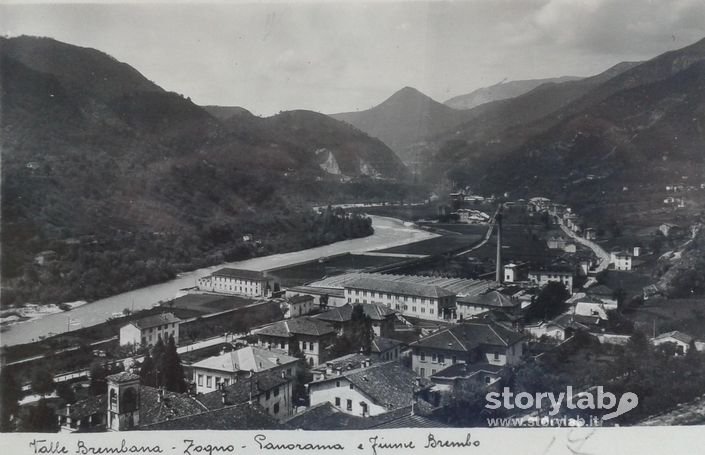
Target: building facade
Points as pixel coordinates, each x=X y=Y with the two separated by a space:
x=237 y=281
x=146 y=331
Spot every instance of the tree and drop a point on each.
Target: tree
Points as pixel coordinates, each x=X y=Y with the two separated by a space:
x=172 y=372
x=42 y=381
x=41 y=418
x=147 y=371
x=550 y=302
x=98 y=383
x=65 y=392
x=10 y=394
x=638 y=342
x=361 y=332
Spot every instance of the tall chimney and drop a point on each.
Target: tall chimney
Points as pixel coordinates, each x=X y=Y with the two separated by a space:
x=498 y=220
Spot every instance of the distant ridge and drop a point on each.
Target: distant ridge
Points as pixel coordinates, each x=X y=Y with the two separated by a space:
x=501 y=91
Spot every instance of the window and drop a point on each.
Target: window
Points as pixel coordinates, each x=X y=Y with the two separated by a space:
x=423 y=356
x=487 y=379
x=282 y=345
x=226 y=381
x=337 y=401
x=349 y=405
x=441 y=358
x=352 y=387
x=310 y=346
x=431 y=311
x=433 y=372
x=422 y=372
x=455 y=360
x=200 y=380
x=267 y=395
x=276 y=391
x=496 y=355
x=337 y=383
x=276 y=408
x=208 y=381
x=363 y=405
x=310 y=361
x=434 y=359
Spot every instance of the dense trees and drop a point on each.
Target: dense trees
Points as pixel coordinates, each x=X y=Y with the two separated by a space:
x=98 y=374
x=10 y=394
x=162 y=367
x=549 y=303
x=42 y=381
x=358 y=335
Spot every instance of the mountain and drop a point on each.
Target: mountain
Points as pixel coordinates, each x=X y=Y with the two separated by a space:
x=226 y=112
x=128 y=184
x=501 y=91
x=404 y=119
x=638 y=126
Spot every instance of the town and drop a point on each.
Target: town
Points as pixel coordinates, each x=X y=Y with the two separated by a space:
x=525 y=294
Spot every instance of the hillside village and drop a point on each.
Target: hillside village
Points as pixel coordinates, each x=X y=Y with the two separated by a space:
x=385 y=349
x=168 y=265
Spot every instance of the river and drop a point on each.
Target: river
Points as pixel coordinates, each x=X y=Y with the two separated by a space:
x=389 y=232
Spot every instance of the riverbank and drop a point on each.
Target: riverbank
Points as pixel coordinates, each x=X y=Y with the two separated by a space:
x=389 y=232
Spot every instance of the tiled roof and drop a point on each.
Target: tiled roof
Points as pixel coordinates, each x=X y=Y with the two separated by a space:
x=388 y=384
x=325 y=416
x=86 y=408
x=344 y=363
x=382 y=344
x=250 y=358
x=152 y=408
x=493 y=299
x=244 y=389
x=300 y=298
x=318 y=290
x=397 y=287
x=171 y=406
x=680 y=336
x=458 y=286
x=375 y=311
x=305 y=325
x=123 y=377
x=244 y=416
x=155 y=320
x=468 y=336
x=243 y=274
x=465 y=370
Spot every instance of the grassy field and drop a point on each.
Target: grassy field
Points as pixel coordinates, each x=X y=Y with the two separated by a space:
x=206 y=303
x=437 y=245
x=299 y=274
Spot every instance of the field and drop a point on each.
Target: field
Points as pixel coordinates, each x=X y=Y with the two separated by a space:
x=299 y=274
x=206 y=303
x=437 y=245
x=662 y=315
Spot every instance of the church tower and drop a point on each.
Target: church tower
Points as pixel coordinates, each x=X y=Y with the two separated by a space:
x=123 y=401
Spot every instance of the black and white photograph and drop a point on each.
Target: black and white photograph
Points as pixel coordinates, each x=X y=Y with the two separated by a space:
x=451 y=218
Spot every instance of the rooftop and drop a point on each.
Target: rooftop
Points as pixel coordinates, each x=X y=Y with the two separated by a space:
x=243 y=416
x=252 y=275
x=304 y=325
x=243 y=390
x=382 y=344
x=470 y=335
x=458 y=286
x=300 y=298
x=388 y=384
x=676 y=335
x=493 y=299
x=250 y=358
x=375 y=311
x=464 y=370
x=397 y=287
x=155 y=320
x=325 y=416
x=123 y=377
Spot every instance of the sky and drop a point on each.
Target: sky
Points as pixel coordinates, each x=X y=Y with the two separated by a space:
x=342 y=56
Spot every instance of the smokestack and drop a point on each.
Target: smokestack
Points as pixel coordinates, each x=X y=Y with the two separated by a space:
x=498 y=220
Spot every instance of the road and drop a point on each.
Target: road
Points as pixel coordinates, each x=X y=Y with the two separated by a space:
x=389 y=232
x=602 y=255
x=487 y=236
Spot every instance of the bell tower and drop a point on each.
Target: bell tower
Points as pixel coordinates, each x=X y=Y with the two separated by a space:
x=123 y=401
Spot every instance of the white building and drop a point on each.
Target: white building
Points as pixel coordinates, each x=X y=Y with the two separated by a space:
x=543 y=277
x=681 y=340
x=369 y=391
x=146 y=331
x=621 y=260
x=471 y=343
x=236 y=281
x=423 y=301
x=226 y=368
x=299 y=305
